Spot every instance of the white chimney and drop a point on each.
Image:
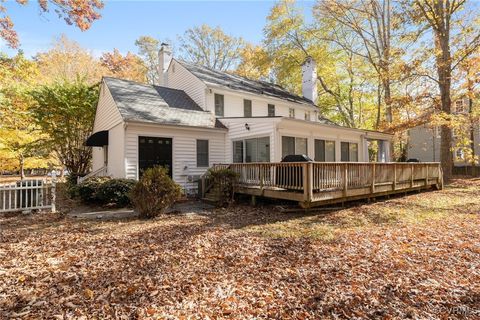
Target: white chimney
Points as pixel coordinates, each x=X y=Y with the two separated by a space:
x=309 y=79
x=164 y=59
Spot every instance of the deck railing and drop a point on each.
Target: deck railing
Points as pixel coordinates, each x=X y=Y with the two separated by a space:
x=314 y=178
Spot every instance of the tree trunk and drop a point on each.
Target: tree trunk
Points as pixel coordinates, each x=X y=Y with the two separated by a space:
x=472 y=134
x=444 y=67
x=22 y=167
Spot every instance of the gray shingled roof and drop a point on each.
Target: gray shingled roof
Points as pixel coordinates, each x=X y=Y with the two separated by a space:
x=241 y=83
x=155 y=104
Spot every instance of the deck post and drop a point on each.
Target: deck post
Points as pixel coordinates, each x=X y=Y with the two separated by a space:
x=373 y=177
x=310 y=181
x=345 y=179
x=261 y=177
x=426 y=175
x=307 y=183
x=440 y=176
x=411 y=176
x=394 y=176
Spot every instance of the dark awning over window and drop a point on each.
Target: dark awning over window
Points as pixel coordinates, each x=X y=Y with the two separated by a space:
x=98 y=139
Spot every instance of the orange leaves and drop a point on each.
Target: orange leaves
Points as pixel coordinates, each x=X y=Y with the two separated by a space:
x=82 y=13
x=88 y=294
x=215 y=265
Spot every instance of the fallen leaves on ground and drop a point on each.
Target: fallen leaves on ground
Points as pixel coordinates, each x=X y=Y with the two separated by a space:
x=411 y=257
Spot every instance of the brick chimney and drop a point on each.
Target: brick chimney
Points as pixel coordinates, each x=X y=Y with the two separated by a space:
x=309 y=79
x=164 y=58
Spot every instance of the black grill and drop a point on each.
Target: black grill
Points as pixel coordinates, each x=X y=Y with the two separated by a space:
x=296 y=158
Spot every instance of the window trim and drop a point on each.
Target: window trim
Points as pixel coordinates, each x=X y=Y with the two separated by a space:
x=207 y=152
x=245 y=104
x=308 y=116
x=348 y=154
x=291 y=113
x=325 y=141
x=295 y=144
x=244 y=148
x=215 y=104
x=270 y=107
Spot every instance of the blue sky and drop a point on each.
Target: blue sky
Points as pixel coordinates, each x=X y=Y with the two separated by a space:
x=124 y=21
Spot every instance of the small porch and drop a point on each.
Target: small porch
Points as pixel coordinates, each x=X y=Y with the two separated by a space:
x=319 y=183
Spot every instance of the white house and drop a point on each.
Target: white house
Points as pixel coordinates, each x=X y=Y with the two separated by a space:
x=197 y=117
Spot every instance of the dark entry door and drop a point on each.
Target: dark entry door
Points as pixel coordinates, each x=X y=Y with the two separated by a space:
x=154 y=151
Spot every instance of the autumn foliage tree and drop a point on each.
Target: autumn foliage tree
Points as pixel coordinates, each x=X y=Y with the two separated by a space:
x=81 y=13
x=211 y=47
x=19 y=137
x=129 y=67
x=65 y=112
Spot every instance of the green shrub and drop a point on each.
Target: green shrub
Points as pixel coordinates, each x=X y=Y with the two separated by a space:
x=224 y=181
x=154 y=192
x=115 y=191
x=88 y=190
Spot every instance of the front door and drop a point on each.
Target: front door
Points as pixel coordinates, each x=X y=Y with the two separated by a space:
x=154 y=151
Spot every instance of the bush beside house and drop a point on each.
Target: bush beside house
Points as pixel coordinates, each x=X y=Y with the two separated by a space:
x=104 y=191
x=154 y=192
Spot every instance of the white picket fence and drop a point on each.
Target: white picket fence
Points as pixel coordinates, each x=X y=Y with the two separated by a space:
x=27 y=195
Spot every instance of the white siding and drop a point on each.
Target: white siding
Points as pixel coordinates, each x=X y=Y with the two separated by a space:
x=184 y=149
x=97 y=158
x=233 y=105
x=423 y=144
x=182 y=79
x=259 y=127
x=116 y=151
x=107 y=115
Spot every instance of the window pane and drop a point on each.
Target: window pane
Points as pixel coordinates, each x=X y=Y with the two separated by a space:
x=251 y=150
x=202 y=153
x=237 y=151
x=301 y=146
x=319 y=150
x=219 y=102
x=330 y=151
x=291 y=113
x=345 y=151
x=247 y=108
x=288 y=146
x=263 y=149
x=353 y=151
x=271 y=110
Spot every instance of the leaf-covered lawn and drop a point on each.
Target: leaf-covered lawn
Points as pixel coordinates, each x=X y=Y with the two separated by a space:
x=411 y=257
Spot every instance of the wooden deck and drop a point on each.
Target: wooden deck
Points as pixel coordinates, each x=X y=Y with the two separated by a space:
x=319 y=183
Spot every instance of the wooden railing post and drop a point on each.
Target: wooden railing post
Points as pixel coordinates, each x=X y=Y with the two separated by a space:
x=345 y=179
x=426 y=175
x=310 y=181
x=394 y=176
x=411 y=175
x=261 y=176
x=305 y=181
x=373 y=178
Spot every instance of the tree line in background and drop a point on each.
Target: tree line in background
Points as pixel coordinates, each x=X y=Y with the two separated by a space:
x=382 y=64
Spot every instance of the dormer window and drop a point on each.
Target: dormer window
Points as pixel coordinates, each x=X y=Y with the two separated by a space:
x=247 y=108
x=307 y=116
x=291 y=113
